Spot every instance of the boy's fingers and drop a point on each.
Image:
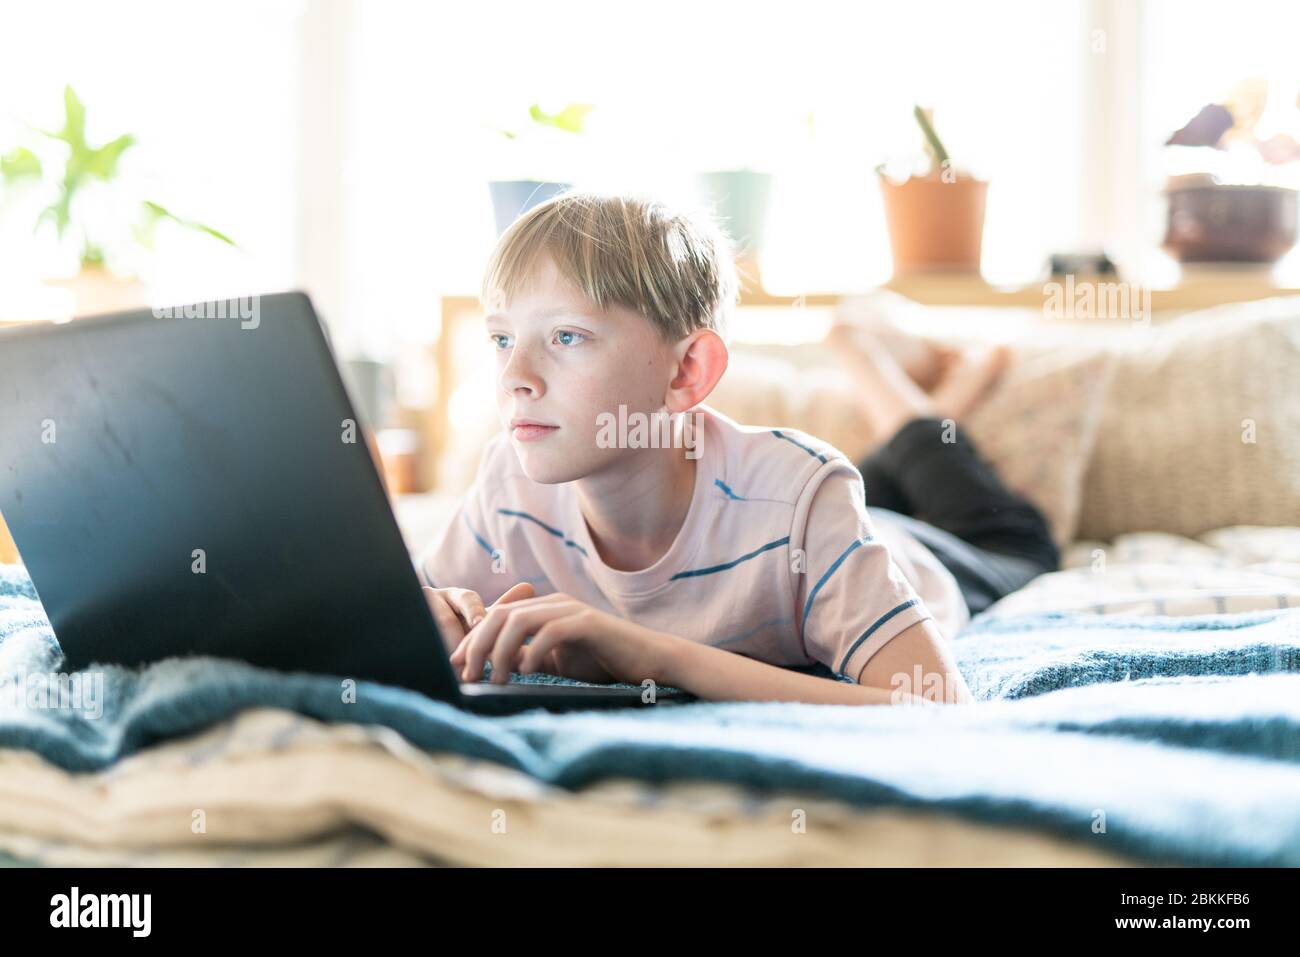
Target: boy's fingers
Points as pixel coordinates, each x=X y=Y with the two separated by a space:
x=449 y=626
x=516 y=593
x=458 y=656
x=483 y=637
x=508 y=647
x=478 y=643
x=468 y=605
x=547 y=639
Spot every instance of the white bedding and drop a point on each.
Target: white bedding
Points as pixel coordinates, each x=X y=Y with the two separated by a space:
x=1151 y=573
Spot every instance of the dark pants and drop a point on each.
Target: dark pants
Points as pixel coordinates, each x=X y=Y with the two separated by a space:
x=991 y=539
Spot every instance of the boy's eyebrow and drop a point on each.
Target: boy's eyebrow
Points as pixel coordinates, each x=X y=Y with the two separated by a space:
x=551 y=313
x=565 y=311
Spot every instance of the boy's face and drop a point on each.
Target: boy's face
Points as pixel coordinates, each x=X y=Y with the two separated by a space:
x=562 y=361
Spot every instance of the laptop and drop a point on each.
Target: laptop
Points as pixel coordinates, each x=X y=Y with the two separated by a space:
x=196 y=481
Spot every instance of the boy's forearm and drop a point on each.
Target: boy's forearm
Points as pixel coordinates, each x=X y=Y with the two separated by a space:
x=717 y=675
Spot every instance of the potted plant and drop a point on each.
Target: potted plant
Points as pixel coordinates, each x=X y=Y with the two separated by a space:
x=67 y=167
x=936 y=218
x=740 y=199
x=511 y=198
x=1221 y=206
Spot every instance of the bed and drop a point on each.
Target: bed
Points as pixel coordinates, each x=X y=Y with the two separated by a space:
x=1140 y=706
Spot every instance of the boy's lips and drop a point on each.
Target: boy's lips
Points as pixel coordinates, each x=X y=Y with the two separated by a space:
x=526 y=430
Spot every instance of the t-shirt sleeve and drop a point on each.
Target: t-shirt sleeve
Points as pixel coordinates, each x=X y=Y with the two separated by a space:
x=851 y=596
x=462 y=553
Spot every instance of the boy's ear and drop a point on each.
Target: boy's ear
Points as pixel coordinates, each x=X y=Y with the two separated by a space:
x=701 y=360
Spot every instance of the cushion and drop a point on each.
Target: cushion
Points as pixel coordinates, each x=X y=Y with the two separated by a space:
x=1200 y=428
x=1038 y=429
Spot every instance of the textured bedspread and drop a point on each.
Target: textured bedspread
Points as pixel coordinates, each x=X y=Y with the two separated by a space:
x=1162 y=739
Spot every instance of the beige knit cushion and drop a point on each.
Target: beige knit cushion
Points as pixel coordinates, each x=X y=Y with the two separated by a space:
x=1174 y=451
x=1038 y=429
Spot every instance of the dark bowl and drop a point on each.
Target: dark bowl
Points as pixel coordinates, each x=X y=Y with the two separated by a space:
x=1244 y=224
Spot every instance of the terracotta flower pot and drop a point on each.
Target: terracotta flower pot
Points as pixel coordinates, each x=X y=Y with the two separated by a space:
x=95 y=290
x=935 y=224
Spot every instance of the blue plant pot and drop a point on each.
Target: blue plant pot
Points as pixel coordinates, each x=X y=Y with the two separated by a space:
x=512 y=198
x=739 y=199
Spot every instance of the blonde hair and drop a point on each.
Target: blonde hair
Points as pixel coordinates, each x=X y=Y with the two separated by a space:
x=673 y=267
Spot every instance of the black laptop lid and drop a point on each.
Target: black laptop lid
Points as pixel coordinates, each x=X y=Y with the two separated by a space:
x=193 y=485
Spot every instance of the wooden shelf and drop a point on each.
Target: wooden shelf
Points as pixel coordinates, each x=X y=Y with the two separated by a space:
x=1198 y=289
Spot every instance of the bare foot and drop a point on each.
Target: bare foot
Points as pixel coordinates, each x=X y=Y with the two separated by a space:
x=924 y=360
x=886 y=393
x=967 y=379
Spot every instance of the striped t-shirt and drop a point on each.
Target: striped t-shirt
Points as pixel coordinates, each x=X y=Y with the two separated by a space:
x=777 y=558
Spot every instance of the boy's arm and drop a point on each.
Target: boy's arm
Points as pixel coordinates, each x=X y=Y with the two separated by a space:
x=715 y=674
x=856 y=611
x=921 y=645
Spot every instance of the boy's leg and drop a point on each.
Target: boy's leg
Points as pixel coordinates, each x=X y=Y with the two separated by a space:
x=882 y=490
x=983 y=576
x=993 y=540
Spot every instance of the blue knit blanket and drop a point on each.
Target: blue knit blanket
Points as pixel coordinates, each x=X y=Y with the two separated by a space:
x=1169 y=740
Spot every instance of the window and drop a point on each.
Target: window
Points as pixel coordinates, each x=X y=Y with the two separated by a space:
x=211 y=93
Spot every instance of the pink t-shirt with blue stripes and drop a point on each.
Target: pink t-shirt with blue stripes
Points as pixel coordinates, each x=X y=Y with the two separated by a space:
x=777 y=558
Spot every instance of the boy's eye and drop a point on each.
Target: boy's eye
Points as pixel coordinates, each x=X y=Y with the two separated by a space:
x=500 y=340
x=567 y=338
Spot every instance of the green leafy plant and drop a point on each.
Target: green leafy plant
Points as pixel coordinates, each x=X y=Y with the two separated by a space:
x=83 y=165
x=571 y=119
x=934 y=148
x=933 y=145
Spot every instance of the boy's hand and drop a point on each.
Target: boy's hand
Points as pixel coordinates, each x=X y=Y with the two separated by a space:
x=569 y=638
x=457 y=610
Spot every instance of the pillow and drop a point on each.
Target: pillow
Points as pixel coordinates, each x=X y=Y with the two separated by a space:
x=1201 y=426
x=1038 y=427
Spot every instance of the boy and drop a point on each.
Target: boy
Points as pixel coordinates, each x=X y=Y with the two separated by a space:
x=716 y=567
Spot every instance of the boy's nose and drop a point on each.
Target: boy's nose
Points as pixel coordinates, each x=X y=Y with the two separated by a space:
x=520 y=373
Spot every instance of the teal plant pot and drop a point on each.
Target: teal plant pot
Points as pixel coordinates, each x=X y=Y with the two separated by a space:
x=740 y=200
x=512 y=198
